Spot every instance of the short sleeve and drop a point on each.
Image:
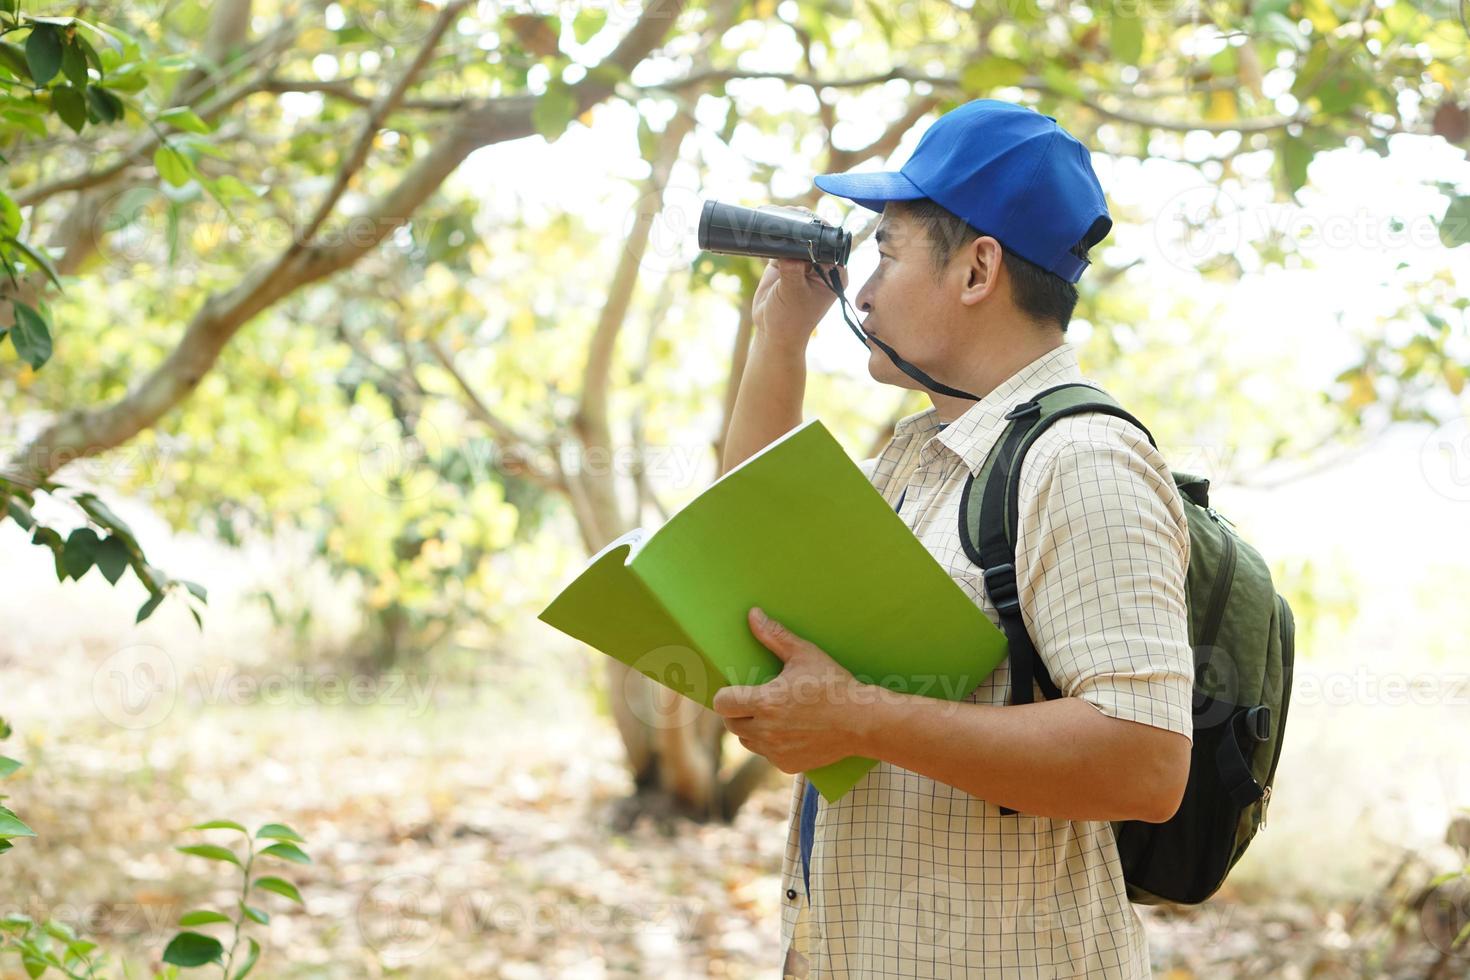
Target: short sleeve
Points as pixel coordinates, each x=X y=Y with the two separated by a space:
x=1101 y=561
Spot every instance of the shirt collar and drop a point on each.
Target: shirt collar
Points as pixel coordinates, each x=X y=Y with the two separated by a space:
x=972 y=435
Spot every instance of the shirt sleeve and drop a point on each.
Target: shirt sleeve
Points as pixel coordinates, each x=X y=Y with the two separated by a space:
x=1102 y=555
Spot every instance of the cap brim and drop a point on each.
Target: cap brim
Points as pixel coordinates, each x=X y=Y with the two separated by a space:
x=871 y=190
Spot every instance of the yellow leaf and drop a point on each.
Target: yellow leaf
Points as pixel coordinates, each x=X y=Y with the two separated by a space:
x=1454 y=376
x=1222 y=106
x=1361 y=393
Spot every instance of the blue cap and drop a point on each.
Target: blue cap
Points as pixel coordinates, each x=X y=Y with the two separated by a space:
x=1009 y=171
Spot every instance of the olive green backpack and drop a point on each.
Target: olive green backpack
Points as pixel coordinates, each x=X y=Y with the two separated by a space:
x=1242 y=633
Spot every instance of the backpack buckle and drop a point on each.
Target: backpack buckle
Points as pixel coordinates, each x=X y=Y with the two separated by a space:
x=1258 y=722
x=1024 y=409
x=1000 y=586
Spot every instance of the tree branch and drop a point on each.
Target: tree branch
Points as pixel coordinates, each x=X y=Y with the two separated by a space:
x=505 y=433
x=359 y=153
x=950 y=82
x=147 y=142
x=342 y=89
x=83 y=433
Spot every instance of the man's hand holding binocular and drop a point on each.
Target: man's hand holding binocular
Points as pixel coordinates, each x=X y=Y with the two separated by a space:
x=790 y=299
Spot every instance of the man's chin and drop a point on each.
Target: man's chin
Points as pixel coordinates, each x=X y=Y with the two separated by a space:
x=882 y=370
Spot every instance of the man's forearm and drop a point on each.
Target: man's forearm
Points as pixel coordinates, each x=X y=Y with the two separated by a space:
x=1062 y=758
x=769 y=402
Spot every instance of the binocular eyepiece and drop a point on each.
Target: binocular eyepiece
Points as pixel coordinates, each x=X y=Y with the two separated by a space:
x=772 y=232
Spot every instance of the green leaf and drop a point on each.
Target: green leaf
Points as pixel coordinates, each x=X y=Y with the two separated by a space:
x=211 y=851
x=1061 y=81
x=102 y=514
x=10 y=826
x=220 y=825
x=74 y=63
x=31 y=124
x=43 y=52
x=250 y=958
x=14 y=59
x=288 y=852
x=89 y=53
x=587 y=23
x=193 y=949
x=120 y=41
x=8 y=765
x=81 y=551
x=281 y=887
x=1454 y=227
x=203 y=917
x=146 y=609
x=554 y=110
x=108 y=107
x=31 y=335
x=9 y=217
x=255 y=914
x=1281 y=29
x=112 y=558
x=1296 y=153
x=278 y=831
x=182 y=117
x=34 y=966
x=21 y=514
x=199 y=593
x=38 y=259
x=48 y=537
x=981 y=77
x=173 y=166
x=1125 y=34
x=78 y=948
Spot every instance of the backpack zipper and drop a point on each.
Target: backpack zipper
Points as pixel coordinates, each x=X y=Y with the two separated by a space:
x=1216 y=610
x=1287 y=663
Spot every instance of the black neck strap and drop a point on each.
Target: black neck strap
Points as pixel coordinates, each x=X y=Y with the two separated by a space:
x=835 y=284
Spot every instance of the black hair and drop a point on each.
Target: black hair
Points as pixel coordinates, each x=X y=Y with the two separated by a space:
x=1043 y=296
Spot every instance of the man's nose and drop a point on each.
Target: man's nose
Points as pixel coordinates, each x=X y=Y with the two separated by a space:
x=863 y=301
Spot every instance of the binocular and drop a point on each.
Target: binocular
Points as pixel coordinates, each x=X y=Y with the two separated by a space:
x=771 y=231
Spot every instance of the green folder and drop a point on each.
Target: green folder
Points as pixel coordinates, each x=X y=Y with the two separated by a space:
x=798 y=530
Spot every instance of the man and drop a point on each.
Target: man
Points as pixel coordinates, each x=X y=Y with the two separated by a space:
x=917 y=872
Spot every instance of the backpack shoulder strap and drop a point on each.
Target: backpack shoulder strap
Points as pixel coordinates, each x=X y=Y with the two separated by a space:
x=988 y=525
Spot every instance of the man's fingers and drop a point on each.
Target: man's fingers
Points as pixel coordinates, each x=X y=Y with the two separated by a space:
x=736 y=701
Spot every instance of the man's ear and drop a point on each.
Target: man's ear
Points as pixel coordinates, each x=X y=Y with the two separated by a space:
x=981 y=266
